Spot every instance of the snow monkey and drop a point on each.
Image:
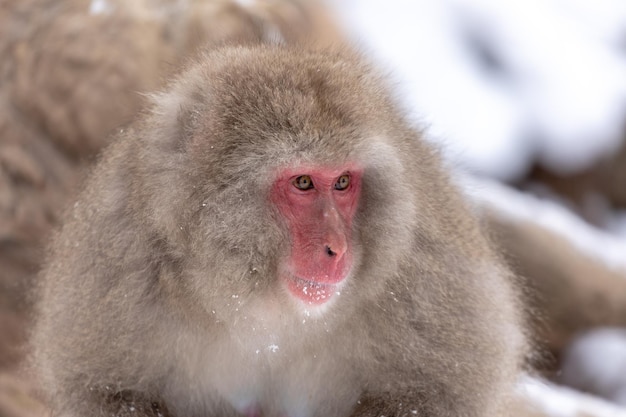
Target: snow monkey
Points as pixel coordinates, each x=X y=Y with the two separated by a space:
x=274 y=239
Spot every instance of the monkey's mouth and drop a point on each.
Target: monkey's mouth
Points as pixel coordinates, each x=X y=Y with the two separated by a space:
x=312 y=292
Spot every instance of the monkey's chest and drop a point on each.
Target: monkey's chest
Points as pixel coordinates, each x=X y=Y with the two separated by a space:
x=279 y=378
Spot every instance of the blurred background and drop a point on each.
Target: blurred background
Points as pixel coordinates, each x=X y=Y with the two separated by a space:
x=526 y=99
x=526 y=92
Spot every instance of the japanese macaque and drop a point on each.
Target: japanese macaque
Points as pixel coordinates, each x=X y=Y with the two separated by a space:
x=273 y=238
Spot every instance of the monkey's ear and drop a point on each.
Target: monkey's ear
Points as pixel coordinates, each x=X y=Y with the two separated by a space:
x=174 y=117
x=175 y=134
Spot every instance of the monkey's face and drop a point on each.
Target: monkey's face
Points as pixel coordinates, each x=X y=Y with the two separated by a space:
x=287 y=183
x=318 y=205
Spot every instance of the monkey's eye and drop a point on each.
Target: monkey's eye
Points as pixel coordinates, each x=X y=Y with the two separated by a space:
x=303 y=182
x=342 y=183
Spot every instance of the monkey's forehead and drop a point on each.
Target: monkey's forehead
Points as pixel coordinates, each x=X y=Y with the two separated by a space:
x=275 y=106
x=278 y=88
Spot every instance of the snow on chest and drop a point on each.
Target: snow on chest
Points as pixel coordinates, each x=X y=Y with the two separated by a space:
x=263 y=372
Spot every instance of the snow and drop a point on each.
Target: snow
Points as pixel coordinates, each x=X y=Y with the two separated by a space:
x=603 y=19
x=558 y=401
x=504 y=82
x=597 y=360
x=514 y=204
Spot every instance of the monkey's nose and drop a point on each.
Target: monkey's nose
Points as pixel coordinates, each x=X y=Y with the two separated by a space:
x=336 y=249
x=334 y=239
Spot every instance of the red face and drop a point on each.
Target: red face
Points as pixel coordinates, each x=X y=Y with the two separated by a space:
x=318 y=204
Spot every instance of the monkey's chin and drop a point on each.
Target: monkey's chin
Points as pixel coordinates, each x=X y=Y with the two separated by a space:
x=311 y=292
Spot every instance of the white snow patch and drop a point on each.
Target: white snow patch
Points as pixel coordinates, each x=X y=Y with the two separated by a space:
x=603 y=19
x=517 y=205
x=557 y=401
x=596 y=362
